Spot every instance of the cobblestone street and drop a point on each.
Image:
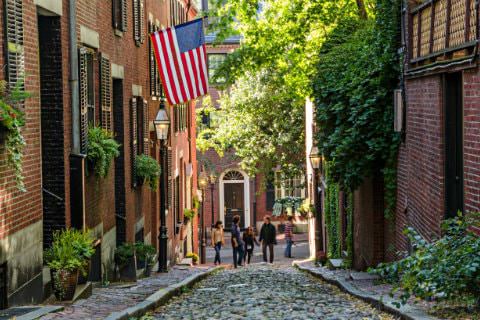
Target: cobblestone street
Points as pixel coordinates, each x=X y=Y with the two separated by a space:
x=263 y=291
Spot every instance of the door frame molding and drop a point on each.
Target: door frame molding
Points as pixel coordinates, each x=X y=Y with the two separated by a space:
x=246 y=195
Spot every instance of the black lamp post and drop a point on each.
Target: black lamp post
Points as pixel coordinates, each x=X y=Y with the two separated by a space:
x=162 y=125
x=213 y=178
x=316 y=161
x=202 y=183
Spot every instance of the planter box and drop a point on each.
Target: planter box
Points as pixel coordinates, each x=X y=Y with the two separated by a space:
x=64 y=284
x=128 y=272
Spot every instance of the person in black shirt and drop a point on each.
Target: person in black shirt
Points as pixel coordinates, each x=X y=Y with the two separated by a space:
x=268 y=238
x=250 y=241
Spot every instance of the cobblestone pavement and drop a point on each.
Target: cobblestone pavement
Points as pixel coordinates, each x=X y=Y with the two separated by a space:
x=264 y=291
x=120 y=296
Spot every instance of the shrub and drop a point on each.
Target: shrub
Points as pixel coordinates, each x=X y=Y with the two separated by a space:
x=70 y=250
x=445 y=269
x=101 y=150
x=144 y=252
x=148 y=170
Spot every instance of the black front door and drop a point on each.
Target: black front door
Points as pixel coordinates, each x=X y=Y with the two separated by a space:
x=453 y=144
x=234 y=204
x=3 y=286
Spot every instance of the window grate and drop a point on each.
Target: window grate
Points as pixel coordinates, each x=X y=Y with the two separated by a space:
x=83 y=73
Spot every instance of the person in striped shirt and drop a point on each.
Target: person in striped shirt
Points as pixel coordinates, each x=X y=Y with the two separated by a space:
x=289 y=237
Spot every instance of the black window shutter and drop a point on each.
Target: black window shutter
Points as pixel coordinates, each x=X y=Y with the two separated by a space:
x=171 y=185
x=270 y=196
x=106 y=93
x=83 y=83
x=15 y=57
x=146 y=129
x=134 y=138
x=124 y=5
x=138 y=21
x=152 y=70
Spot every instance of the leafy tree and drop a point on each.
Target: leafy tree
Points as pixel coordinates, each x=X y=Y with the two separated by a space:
x=263 y=121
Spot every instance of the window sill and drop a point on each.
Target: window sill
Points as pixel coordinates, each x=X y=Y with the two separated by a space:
x=118 y=33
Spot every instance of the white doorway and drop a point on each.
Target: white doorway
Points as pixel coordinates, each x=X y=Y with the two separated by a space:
x=234 y=197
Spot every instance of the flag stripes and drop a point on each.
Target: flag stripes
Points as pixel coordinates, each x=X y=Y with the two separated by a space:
x=184 y=74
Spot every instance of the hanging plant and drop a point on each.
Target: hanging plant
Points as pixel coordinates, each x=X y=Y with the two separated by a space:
x=101 y=150
x=148 y=170
x=12 y=120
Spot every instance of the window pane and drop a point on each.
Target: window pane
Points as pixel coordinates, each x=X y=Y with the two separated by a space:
x=214 y=62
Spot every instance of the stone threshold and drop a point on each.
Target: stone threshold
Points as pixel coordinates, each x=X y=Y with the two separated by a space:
x=160 y=297
x=38 y=312
x=379 y=301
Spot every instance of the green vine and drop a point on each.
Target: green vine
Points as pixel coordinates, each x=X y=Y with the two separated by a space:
x=349 y=241
x=332 y=216
x=358 y=69
x=12 y=119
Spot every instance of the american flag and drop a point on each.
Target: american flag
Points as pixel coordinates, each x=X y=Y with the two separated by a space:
x=182 y=59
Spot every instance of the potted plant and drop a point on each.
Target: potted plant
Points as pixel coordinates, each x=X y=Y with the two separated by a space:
x=101 y=150
x=194 y=257
x=143 y=252
x=126 y=262
x=147 y=170
x=188 y=215
x=65 y=262
x=149 y=263
x=12 y=119
x=83 y=243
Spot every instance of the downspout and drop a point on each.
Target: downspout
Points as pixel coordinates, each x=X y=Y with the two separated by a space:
x=74 y=89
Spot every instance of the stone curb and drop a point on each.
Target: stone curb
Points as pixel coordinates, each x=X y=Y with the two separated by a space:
x=39 y=313
x=407 y=312
x=161 y=297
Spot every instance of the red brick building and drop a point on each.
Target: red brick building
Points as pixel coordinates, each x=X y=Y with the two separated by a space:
x=439 y=163
x=88 y=62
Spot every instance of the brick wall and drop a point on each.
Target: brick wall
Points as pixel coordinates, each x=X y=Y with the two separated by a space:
x=420 y=200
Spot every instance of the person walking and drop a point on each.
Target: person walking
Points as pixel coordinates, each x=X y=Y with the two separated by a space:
x=237 y=243
x=250 y=241
x=218 y=240
x=268 y=238
x=289 y=237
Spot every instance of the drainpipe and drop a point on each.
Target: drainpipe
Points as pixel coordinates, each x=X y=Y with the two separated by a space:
x=72 y=18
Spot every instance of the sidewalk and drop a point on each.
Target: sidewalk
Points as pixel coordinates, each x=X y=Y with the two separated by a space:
x=120 y=296
x=364 y=286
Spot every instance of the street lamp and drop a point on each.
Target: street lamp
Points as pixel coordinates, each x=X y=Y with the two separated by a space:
x=202 y=183
x=213 y=178
x=316 y=162
x=162 y=125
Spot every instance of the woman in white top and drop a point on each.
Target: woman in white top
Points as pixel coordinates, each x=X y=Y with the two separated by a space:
x=217 y=240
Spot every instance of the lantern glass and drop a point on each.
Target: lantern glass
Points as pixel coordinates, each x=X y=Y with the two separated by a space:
x=315 y=158
x=203 y=180
x=162 y=124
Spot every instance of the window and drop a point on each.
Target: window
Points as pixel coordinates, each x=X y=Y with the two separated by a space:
x=292 y=187
x=214 y=62
x=119 y=15
x=156 y=90
x=87 y=93
x=15 y=58
x=139 y=21
x=181 y=117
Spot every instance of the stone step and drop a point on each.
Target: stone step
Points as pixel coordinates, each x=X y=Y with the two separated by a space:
x=186 y=262
x=359 y=276
x=335 y=263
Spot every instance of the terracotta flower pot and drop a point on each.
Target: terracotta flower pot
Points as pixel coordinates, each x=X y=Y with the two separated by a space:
x=64 y=284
